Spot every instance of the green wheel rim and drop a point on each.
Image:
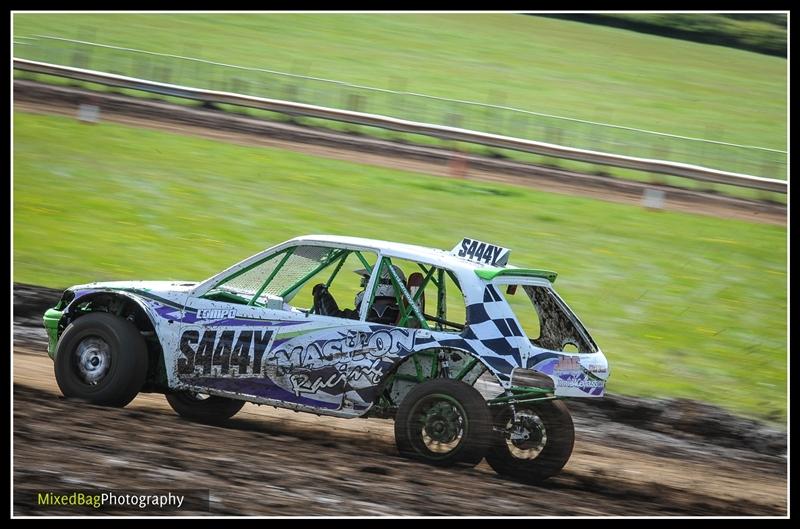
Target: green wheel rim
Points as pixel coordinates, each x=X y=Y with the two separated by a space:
x=437 y=425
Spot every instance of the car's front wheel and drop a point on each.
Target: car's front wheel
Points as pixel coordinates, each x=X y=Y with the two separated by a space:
x=443 y=422
x=102 y=359
x=203 y=408
x=534 y=443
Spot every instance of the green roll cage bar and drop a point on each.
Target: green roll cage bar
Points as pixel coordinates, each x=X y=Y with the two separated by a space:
x=407 y=303
x=408 y=313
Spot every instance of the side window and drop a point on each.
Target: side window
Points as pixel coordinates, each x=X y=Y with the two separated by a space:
x=290 y=276
x=345 y=279
x=559 y=332
x=456 y=308
x=386 y=303
x=435 y=294
x=520 y=303
x=548 y=325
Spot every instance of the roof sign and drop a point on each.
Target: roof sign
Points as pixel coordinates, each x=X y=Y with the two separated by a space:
x=481 y=252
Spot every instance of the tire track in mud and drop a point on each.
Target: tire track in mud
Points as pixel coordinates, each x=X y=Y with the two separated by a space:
x=256 y=469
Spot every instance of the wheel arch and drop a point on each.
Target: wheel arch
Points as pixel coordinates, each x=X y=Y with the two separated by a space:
x=130 y=307
x=463 y=365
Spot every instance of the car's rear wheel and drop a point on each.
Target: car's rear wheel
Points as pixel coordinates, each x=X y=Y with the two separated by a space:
x=102 y=359
x=535 y=444
x=203 y=408
x=443 y=422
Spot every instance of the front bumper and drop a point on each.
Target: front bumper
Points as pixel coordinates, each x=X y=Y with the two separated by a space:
x=51 y=320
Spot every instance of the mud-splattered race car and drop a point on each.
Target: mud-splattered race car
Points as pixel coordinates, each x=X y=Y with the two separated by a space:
x=468 y=354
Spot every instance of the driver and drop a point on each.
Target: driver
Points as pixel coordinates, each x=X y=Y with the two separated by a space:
x=384 y=308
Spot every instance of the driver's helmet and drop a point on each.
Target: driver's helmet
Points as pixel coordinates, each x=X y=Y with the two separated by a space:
x=385 y=287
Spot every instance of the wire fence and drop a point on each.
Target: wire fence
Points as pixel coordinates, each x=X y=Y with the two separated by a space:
x=484 y=117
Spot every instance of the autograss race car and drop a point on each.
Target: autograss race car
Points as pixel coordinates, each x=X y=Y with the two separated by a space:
x=479 y=374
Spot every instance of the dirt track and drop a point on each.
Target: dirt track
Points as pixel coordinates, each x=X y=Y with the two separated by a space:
x=276 y=462
x=628 y=459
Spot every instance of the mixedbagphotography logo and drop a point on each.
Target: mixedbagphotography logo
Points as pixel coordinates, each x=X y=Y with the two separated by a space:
x=135 y=501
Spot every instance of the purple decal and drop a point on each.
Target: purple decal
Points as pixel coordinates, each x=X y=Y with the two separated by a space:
x=281 y=341
x=240 y=322
x=546 y=366
x=167 y=312
x=259 y=387
x=570 y=375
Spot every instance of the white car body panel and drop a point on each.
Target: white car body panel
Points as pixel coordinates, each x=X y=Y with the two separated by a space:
x=288 y=358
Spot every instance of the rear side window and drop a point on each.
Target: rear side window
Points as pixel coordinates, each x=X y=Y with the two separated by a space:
x=441 y=300
x=546 y=320
x=520 y=303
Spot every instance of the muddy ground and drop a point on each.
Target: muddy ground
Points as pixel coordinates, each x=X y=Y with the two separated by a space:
x=628 y=460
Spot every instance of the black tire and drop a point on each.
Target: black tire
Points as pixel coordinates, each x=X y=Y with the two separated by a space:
x=102 y=359
x=465 y=414
x=209 y=409
x=554 y=447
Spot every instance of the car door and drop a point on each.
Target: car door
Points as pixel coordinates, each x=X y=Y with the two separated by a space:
x=223 y=345
x=313 y=355
x=246 y=337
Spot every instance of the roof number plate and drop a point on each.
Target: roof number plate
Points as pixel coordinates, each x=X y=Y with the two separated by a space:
x=481 y=252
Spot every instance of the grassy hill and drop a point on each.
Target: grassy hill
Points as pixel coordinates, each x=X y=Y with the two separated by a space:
x=554 y=66
x=759 y=32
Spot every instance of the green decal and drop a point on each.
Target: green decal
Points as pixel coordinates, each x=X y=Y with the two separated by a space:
x=51 y=319
x=490 y=273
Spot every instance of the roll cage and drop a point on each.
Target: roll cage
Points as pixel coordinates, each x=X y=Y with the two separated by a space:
x=411 y=313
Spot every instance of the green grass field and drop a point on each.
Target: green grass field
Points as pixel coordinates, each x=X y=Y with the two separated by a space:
x=683 y=305
x=546 y=65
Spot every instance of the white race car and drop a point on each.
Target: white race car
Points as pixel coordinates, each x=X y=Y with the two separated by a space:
x=469 y=354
